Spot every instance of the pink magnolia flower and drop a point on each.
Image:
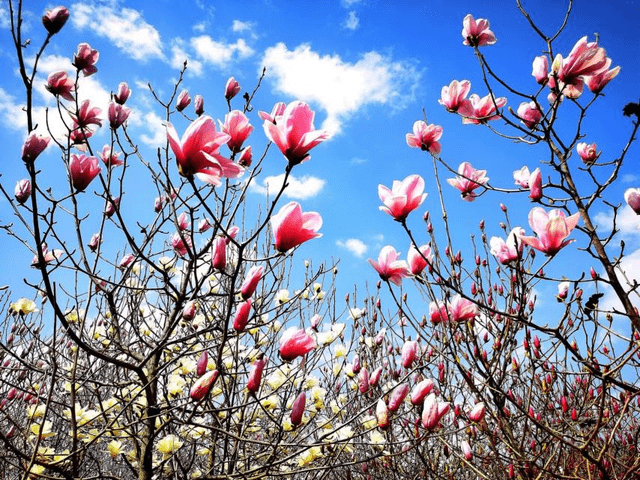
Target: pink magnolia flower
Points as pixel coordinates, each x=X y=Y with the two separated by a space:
x=294 y=134
x=183 y=222
x=242 y=316
x=22 y=192
x=563 y=290
x=255 y=376
x=403 y=197
x=59 y=84
x=291 y=227
x=204 y=225
x=586 y=58
x=181 y=243
x=198 y=105
x=438 y=312
x=237 y=126
x=83 y=170
x=126 y=261
x=510 y=250
x=597 y=82
x=203 y=385
x=382 y=414
x=276 y=113
x=297 y=409
x=219 y=261
x=197 y=153
x=468 y=180
x=87 y=115
x=462 y=310
x=453 y=96
x=521 y=177
x=418 y=259
x=477 y=412
x=34 y=146
x=481 y=110
x=118 y=114
x=421 y=390
x=183 y=100
x=55 y=19
x=632 y=197
x=245 y=157
x=110 y=157
x=552 y=229
x=433 y=411
x=541 y=69
x=251 y=281
x=389 y=267
x=588 y=152
x=85 y=59
x=529 y=114
x=409 y=353
x=397 y=397
x=363 y=380
x=374 y=378
x=188 y=313
x=294 y=343
x=112 y=205
x=477 y=33
x=79 y=136
x=231 y=89
x=48 y=256
x=203 y=360
x=466 y=450
x=123 y=93
x=535 y=185
x=94 y=243
x=425 y=137
x=232 y=233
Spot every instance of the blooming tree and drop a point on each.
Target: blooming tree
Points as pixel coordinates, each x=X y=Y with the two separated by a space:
x=200 y=348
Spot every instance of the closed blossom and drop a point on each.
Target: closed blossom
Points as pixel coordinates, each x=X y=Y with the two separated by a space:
x=183 y=100
x=535 y=185
x=123 y=93
x=22 y=191
x=632 y=197
x=54 y=19
x=295 y=343
x=419 y=258
x=251 y=281
x=83 y=170
x=237 y=126
x=118 y=114
x=588 y=152
x=540 y=69
x=529 y=114
x=291 y=227
x=231 y=89
x=597 y=82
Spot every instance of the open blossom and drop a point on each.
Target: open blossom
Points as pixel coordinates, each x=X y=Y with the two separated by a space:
x=462 y=310
x=276 y=113
x=521 y=177
x=34 y=146
x=481 y=110
x=403 y=197
x=48 y=256
x=55 y=19
x=197 y=153
x=597 y=82
x=237 y=126
x=118 y=114
x=183 y=100
x=181 y=243
x=291 y=227
x=632 y=197
x=468 y=180
x=510 y=250
x=251 y=281
x=295 y=134
x=438 y=312
x=83 y=170
x=541 y=69
x=123 y=93
x=22 y=192
x=433 y=411
x=535 y=185
x=552 y=229
x=588 y=152
x=529 y=114
x=60 y=85
x=425 y=137
x=585 y=59
x=87 y=115
x=476 y=33
x=454 y=95
x=85 y=59
x=231 y=89
x=389 y=267
x=294 y=343
x=110 y=157
x=418 y=259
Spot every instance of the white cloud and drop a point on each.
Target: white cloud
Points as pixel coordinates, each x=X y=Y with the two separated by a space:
x=358 y=161
x=11 y=114
x=219 y=54
x=354 y=245
x=179 y=55
x=352 y=22
x=124 y=27
x=627 y=222
x=200 y=27
x=629 y=178
x=240 y=26
x=338 y=87
x=629 y=272
x=5 y=21
x=350 y=3
x=298 y=188
x=155 y=126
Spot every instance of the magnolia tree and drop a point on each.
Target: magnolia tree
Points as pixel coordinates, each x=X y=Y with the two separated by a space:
x=190 y=350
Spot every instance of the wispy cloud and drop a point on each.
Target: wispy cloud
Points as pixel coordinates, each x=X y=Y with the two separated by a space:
x=340 y=88
x=124 y=27
x=354 y=245
x=219 y=53
x=298 y=188
x=352 y=22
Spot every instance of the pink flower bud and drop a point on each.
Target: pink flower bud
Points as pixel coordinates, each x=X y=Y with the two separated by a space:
x=466 y=450
x=245 y=157
x=433 y=411
x=382 y=414
x=83 y=170
x=541 y=69
x=477 y=413
x=122 y=94
x=420 y=391
x=294 y=343
x=535 y=185
x=201 y=365
x=183 y=100
x=356 y=365
x=588 y=152
x=198 y=105
x=189 y=310
x=374 y=379
x=251 y=281
x=126 y=261
x=95 y=241
x=34 y=146
x=397 y=397
x=219 y=253
x=55 y=19
x=632 y=197
x=203 y=386
x=363 y=380
x=22 y=191
x=297 y=409
x=409 y=352
x=232 y=233
x=255 y=377
x=231 y=89
x=204 y=225
x=242 y=316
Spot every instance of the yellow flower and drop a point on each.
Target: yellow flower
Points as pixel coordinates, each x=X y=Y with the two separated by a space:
x=377 y=439
x=35 y=412
x=271 y=402
x=23 y=306
x=114 y=448
x=309 y=456
x=369 y=422
x=340 y=350
x=176 y=384
x=282 y=297
x=337 y=368
x=42 y=431
x=168 y=445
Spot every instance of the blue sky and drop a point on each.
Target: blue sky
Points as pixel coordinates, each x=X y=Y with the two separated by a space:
x=368 y=69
